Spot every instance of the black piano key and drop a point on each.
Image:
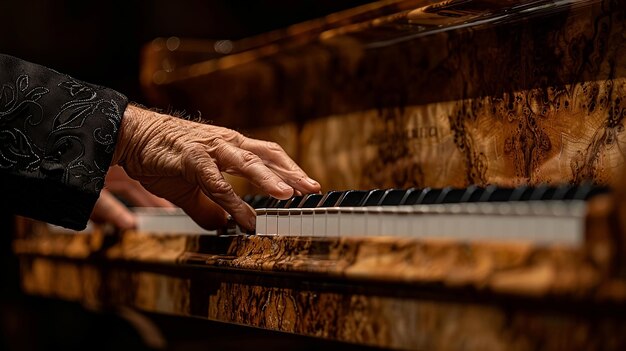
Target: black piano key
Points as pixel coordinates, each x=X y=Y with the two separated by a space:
x=472 y=193
x=261 y=201
x=256 y=199
x=412 y=196
x=598 y=190
x=310 y=201
x=294 y=201
x=330 y=199
x=487 y=192
x=248 y=198
x=271 y=202
x=564 y=192
x=407 y=194
x=392 y=197
x=281 y=203
x=451 y=196
x=582 y=190
x=540 y=192
x=430 y=196
x=587 y=190
x=374 y=197
x=442 y=194
x=352 y=198
x=549 y=193
x=501 y=194
x=420 y=198
x=521 y=193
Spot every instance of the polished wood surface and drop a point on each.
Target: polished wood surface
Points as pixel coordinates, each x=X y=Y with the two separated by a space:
x=378 y=104
x=385 y=292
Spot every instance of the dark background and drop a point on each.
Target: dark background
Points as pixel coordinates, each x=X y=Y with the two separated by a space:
x=99 y=41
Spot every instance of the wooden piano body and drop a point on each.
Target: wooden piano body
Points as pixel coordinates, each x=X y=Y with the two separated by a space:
x=393 y=94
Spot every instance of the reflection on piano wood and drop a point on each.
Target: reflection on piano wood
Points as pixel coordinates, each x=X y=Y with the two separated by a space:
x=397 y=95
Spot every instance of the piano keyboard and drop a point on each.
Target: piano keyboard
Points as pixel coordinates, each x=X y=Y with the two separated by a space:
x=541 y=215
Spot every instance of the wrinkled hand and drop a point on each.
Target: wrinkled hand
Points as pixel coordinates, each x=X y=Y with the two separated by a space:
x=183 y=161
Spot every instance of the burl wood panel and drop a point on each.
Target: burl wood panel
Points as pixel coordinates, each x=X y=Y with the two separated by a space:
x=393 y=293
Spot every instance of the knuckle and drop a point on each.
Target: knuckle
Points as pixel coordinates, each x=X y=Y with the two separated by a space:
x=220 y=149
x=273 y=146
x=194 y=150
x=248 y=159
x=267 y=177
x=220 y=187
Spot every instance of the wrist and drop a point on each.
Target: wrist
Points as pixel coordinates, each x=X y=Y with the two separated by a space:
x=128 y=127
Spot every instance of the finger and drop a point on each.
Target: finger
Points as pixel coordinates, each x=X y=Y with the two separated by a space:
x=110 y=210
x=118 y=182
x=199 y=168
x=234 y=160
x=135 y=194
x=192 y=200
x=278 y=161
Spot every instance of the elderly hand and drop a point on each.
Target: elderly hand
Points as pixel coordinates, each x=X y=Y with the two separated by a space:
x=183 y=161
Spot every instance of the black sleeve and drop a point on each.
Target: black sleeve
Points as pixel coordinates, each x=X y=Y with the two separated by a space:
x=57 y=137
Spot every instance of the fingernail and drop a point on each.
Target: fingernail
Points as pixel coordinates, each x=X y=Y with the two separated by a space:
x=284 y=186
x=128 y=222
x=312 y=182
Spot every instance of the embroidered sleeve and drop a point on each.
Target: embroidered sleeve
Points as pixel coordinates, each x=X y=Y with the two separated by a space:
x=57 y=137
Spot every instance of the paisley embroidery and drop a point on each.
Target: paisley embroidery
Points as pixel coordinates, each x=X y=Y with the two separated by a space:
x=54 y=126
x=17 y=151
x=17 y=97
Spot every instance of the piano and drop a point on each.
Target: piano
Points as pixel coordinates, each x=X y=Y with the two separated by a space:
x=471 y=154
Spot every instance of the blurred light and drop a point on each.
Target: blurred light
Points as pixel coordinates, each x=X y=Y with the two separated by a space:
x=223 y=46
x=158 y=43
x=159 y=77
x=172 y=43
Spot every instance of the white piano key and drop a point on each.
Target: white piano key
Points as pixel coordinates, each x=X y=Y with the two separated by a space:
x=388 y=218
x=157 y=220
x=373 y=220
x=319 y=222
x=402 y=221
x=332 y=221
x=346 y=216
x=359 y=221
x=307 y=222
x=271 y=222
x=282 y=224
x=261 y=221
x=295 y=222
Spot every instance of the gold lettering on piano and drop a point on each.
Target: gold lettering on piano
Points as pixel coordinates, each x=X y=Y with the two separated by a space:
x=426 y=133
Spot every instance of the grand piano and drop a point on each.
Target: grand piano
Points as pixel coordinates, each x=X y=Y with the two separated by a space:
x=445 y=96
